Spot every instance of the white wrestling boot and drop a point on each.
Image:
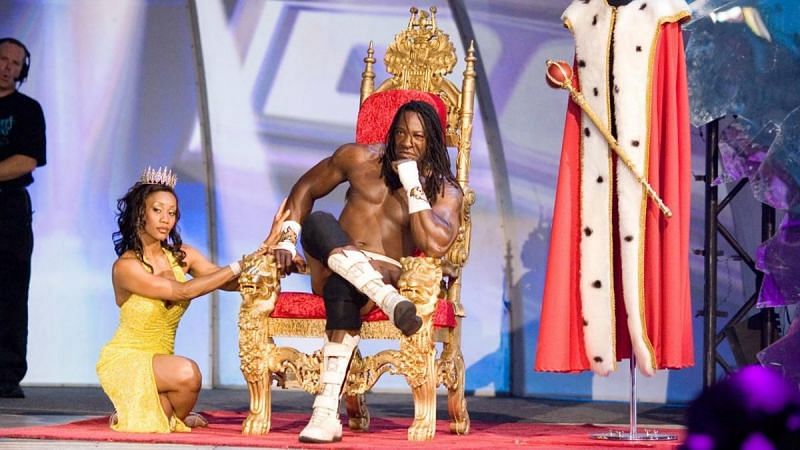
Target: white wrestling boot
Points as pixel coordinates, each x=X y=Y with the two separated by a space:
x=354 y=267
x=325 y=425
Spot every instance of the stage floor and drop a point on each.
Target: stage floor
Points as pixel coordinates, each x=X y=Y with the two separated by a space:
x=56 y=405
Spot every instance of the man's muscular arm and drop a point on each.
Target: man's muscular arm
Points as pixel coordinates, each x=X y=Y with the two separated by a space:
x=318 y=182
x=435 y=229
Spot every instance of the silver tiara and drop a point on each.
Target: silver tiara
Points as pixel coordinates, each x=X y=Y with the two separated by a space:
x=161 y=176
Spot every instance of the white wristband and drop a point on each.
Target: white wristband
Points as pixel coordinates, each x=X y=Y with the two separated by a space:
x=235 y=267
x=290 y=231
x=409 y=177
x=288 y=246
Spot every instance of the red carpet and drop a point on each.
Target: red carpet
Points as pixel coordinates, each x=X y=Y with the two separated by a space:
x=225 y=429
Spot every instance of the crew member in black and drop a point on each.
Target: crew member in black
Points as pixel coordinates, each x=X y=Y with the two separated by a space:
x=22 y=149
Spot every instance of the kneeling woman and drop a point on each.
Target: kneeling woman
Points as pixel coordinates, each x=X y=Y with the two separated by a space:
x=152 y=389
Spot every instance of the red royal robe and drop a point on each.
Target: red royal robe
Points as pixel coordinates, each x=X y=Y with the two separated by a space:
x=665 y=304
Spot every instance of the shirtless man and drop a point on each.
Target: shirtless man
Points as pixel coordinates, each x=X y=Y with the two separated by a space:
x=354 y=261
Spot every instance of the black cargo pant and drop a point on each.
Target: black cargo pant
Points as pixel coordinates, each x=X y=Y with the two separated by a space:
x=16 y=247
x=321 y=234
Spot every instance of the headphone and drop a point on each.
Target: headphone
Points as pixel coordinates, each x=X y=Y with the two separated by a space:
x=26 y=63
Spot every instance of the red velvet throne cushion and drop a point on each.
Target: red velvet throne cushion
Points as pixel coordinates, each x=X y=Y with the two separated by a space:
x=305 y=305
x=374 y=119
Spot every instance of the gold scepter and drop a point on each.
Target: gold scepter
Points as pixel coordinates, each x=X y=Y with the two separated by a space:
x=559 y=75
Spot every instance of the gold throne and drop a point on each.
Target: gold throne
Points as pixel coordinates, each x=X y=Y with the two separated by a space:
x=418 y=60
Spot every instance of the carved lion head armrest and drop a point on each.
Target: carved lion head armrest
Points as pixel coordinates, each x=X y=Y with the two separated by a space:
x=420 y=282
x=259 y=283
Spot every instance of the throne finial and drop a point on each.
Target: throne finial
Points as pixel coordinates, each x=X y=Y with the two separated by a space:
x=421 y=20
x=368 y=75
x=413 y=18
x=421 y=54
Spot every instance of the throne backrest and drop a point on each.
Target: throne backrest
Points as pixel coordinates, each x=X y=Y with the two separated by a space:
x=378 y=110
x=418 y=60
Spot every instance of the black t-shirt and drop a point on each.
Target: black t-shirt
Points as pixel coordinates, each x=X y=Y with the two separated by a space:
x=21 y=133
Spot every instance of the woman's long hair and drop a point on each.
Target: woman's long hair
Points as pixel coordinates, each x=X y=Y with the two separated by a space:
x=435 y=165
x=130 y=219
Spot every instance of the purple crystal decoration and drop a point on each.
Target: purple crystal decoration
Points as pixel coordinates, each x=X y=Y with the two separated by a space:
x=783 y=356
x=743 y=147
x=778 y=258
x=777 y=180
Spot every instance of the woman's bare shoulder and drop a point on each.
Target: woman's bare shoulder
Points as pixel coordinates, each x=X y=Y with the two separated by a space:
x=125 y=262
x=127 y=258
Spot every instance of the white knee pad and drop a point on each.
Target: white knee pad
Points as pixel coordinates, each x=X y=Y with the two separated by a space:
x=354 y=267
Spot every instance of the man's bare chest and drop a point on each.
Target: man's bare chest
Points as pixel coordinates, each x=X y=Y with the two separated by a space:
x=377 y=201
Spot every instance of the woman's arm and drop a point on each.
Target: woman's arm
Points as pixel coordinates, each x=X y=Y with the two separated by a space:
x=199 y=266
x=129 y=275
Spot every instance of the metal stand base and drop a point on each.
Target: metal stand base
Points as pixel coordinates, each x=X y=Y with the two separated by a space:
x=633 y=434
x=647 y=435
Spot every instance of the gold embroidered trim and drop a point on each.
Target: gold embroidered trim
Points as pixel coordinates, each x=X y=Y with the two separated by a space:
x=296 y=327
x=679 y=17
x=611 y=181
x=369 y=330
x=643 y=213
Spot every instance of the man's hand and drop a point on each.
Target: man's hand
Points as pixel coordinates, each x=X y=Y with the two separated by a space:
x=288 y=264
x=300 y=265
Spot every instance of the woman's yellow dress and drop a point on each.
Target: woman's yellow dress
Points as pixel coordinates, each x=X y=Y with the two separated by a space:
x=147 y=328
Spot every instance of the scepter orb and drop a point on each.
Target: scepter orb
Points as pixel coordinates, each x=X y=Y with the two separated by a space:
x=558 y=74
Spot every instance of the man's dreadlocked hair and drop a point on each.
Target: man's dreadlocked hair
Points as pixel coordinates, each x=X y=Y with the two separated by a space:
x=435 y=165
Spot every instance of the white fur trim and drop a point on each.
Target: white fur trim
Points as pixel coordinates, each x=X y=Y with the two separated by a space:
x=597 y=303
x=635 y=28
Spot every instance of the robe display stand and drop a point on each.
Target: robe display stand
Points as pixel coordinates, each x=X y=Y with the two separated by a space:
x=633 y=434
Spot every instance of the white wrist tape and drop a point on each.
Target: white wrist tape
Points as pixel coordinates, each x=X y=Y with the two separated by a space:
x=288 y=246
x=409 y=177
x=290 y=230
x=235 y=267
